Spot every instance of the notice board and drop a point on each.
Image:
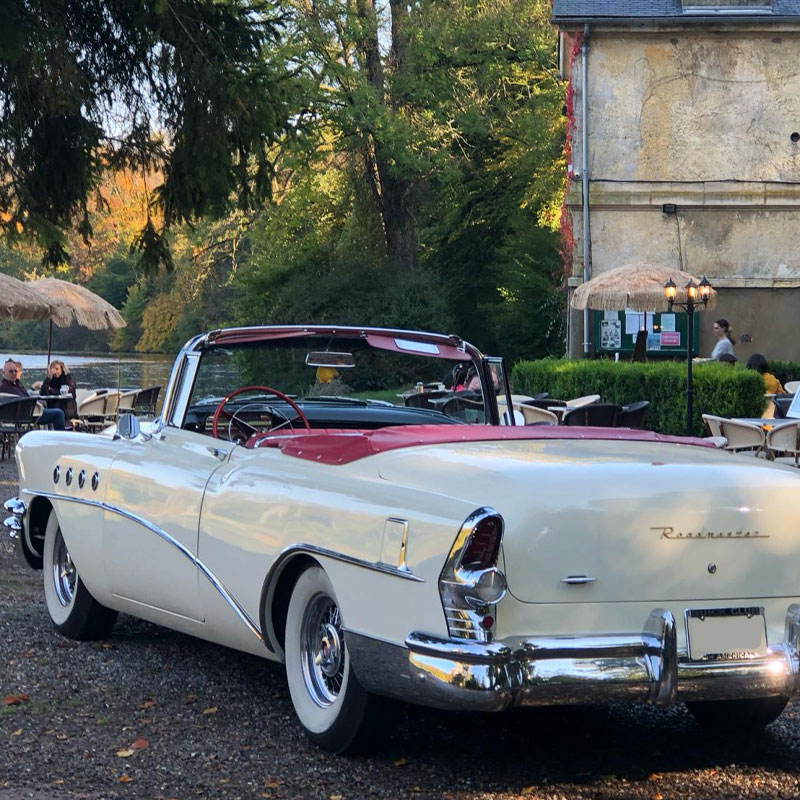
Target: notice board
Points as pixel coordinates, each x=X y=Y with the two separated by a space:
x=616 y=332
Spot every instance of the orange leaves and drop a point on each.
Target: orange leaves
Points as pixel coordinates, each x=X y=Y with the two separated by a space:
x=14 y=699
x=146 y=704
x=212 y=710
x=127 y=752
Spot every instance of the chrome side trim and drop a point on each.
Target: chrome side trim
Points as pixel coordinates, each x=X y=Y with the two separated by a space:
x=577 y=580
x=294 y=549
x=212 y=579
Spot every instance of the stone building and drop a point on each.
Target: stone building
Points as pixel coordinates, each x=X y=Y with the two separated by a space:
x=686 y=140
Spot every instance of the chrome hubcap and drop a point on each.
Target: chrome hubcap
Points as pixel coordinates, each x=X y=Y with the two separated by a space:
x=64 y=572
x=323 y=651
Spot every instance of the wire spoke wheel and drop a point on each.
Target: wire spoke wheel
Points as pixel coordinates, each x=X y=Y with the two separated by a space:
x=322 y=655
x=64 y=572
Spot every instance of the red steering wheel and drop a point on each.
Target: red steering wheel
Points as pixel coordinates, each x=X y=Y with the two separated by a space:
x=267 y=390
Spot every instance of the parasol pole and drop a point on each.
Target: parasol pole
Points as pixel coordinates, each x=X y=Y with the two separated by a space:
x=49 y=340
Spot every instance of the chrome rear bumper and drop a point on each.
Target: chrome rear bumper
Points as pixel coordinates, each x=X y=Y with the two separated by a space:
x=645 y=667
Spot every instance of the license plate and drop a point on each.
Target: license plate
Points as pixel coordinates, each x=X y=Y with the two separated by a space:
x=726 y=634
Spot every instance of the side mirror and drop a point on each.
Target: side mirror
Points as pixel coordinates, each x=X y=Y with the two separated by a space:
x=128 y=427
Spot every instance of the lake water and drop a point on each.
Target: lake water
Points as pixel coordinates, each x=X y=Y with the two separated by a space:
x=118 y=370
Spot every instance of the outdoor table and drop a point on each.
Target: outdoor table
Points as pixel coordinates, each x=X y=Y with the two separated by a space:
x=66 y=402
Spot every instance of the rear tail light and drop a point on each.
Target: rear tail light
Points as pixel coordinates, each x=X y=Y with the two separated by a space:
x=471 y=584
x=483 y=544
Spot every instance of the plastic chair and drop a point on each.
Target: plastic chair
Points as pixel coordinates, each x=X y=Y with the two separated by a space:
x=633 y=415
x=784 y=439
x=791 y=387
x=743 y=436
x=17 y=416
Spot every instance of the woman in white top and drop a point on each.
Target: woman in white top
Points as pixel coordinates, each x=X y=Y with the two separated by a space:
x=725 y=340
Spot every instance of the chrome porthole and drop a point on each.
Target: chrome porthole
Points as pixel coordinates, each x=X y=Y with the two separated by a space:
x=68 y=477
x=81 y=478
x=64 y=573
x=95 y=481
x=56 y=474
x=322 y=651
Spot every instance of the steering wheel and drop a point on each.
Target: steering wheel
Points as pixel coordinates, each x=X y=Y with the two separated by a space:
x=267 y=390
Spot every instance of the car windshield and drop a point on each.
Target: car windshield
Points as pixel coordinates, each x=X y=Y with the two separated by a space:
x=336 y=384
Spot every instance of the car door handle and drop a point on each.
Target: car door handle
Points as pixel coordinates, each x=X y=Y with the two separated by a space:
x=573 y=580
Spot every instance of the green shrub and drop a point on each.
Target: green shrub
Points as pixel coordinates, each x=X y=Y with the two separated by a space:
x=718 y=389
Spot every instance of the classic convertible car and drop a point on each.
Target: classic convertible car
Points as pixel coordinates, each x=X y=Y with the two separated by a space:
x=296 y=500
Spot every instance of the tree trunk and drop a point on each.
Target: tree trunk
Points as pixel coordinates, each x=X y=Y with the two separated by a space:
x=395 y=195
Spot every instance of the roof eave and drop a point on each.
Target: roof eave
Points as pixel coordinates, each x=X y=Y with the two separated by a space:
x=685 y=19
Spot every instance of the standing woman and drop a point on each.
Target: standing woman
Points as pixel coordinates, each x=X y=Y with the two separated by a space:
x=725 y=340
x=57 y=377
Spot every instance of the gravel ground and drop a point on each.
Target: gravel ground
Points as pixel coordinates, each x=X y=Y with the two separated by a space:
x=155 y=714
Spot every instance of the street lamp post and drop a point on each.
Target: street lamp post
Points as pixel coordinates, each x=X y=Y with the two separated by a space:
x=696 y=297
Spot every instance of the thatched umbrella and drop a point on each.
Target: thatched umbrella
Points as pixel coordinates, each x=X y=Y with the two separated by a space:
x=639 y=287
x=19 y=302
x=68 y=303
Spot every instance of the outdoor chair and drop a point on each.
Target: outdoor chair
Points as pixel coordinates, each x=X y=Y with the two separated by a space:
x=782 y=403
x=536 y=416
x=544 y=402
x=602 y=415
x=17 y=416
x=424 y=399
x=743 y=436
x=145 y=402
x=126 y=401
x=790 y=387
x=574 y=416
x=633 y=415
x=586 y=400
x=99 y=410
x=784 y=439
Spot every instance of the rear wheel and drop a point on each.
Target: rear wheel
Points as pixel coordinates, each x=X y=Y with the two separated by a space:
x=737 y=714
x=337 y=713
x=74 y=611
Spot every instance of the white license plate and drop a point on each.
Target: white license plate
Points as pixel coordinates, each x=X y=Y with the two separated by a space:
x=726 y=634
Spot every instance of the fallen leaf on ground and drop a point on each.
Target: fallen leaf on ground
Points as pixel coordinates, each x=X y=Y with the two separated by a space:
x=212 y=710
x=14 y=699
x=147 y=704
x=189 y=699
x=17 y=732
x=125 y=753
x=271 y=783
x=140 y=744
x=125 y=779
x=400 y=762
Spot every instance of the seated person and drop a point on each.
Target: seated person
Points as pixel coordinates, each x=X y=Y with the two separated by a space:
x=11 y=384
x=57 y=377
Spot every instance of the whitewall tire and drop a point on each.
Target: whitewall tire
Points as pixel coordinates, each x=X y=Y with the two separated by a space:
x=74 y=611
x=337 y=713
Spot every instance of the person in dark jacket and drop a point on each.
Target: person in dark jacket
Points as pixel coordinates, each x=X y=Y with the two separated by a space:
x=11 y=384
x=57 y=377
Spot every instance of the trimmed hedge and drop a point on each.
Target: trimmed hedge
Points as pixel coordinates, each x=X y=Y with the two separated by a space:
x=726 y=391
x=784 y=371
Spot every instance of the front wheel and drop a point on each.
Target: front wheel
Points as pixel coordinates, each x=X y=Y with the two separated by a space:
x=737 y=714
x=74 y=611
x=336 y=712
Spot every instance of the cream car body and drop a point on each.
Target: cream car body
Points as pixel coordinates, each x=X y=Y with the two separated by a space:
x=611 y=545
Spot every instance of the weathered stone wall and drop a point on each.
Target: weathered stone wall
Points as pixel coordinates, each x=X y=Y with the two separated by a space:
x=704 y=119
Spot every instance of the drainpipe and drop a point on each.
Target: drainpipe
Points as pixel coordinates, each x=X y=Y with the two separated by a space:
x=585 y=173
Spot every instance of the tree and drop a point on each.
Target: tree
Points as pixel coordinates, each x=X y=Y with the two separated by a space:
x=194 y=89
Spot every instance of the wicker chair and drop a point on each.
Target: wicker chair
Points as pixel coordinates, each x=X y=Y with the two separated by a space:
x=17 y=416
